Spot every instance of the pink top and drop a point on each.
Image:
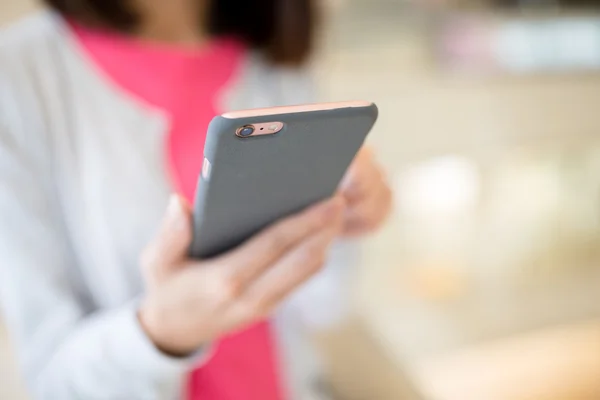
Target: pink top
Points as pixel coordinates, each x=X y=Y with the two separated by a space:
x=186 y=84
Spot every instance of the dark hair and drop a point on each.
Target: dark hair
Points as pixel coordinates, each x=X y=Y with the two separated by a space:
x=282 y=29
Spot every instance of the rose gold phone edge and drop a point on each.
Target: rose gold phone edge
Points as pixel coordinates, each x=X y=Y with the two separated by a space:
x=265 y=112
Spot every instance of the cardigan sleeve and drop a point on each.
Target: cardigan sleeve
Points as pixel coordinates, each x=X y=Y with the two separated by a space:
x=65 y=351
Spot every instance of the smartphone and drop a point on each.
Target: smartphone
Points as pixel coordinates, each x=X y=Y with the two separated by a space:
x=266 y=164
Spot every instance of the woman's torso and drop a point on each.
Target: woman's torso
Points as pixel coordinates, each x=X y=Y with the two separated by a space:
x=185 y=83
x=106 y=151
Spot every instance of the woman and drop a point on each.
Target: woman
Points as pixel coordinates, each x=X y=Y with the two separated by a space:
x=104 y=108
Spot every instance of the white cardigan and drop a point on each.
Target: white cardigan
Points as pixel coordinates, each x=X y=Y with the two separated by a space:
x=82 y=189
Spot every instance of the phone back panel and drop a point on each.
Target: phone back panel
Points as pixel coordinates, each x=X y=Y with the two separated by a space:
x=256 y=181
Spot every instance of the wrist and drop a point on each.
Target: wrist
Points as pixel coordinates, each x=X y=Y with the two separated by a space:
x=160 y=335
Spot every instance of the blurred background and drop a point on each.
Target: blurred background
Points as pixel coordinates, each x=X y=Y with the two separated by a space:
x=486 y=284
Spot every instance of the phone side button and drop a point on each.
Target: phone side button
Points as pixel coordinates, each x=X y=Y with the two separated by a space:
x=206 y=169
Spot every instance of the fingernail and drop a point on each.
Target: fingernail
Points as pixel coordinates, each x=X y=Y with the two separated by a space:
x=174 y=212
x=346 y=182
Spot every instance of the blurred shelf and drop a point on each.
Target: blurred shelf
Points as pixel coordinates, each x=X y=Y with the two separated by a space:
x=554 y=364
x=518 y=43
x=12 y=9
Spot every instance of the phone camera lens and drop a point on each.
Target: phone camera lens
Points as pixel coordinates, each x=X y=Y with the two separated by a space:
x=245 y=131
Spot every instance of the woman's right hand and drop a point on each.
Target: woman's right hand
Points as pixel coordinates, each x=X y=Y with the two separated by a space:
x=189 y=303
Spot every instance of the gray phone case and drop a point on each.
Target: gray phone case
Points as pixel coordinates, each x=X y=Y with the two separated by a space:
x=256 y=181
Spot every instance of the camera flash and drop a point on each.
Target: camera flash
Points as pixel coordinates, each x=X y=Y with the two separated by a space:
x=273 y=127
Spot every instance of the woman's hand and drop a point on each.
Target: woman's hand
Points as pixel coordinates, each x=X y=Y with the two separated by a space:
x=190 y=303
x=368 y=196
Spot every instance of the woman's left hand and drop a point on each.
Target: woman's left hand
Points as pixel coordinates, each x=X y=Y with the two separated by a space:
x=367 y=194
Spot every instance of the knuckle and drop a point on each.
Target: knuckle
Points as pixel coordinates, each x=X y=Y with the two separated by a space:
x=259 y=308
x=254 y=308
x=318 y=264
x=279 y=240
x=311 y=255
x=229 y=288
x=313 y=258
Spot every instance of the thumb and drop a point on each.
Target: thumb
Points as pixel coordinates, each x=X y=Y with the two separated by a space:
x=348 y=179
x=353 y=174
x=356 y=179
x=169 y=247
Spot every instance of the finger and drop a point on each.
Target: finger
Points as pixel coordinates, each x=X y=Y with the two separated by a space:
x=294 y=269
x=353 y=174
x=361 y=186
x=169 y=246
x=361 y=178
x=369 y=214
x=257 y=255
